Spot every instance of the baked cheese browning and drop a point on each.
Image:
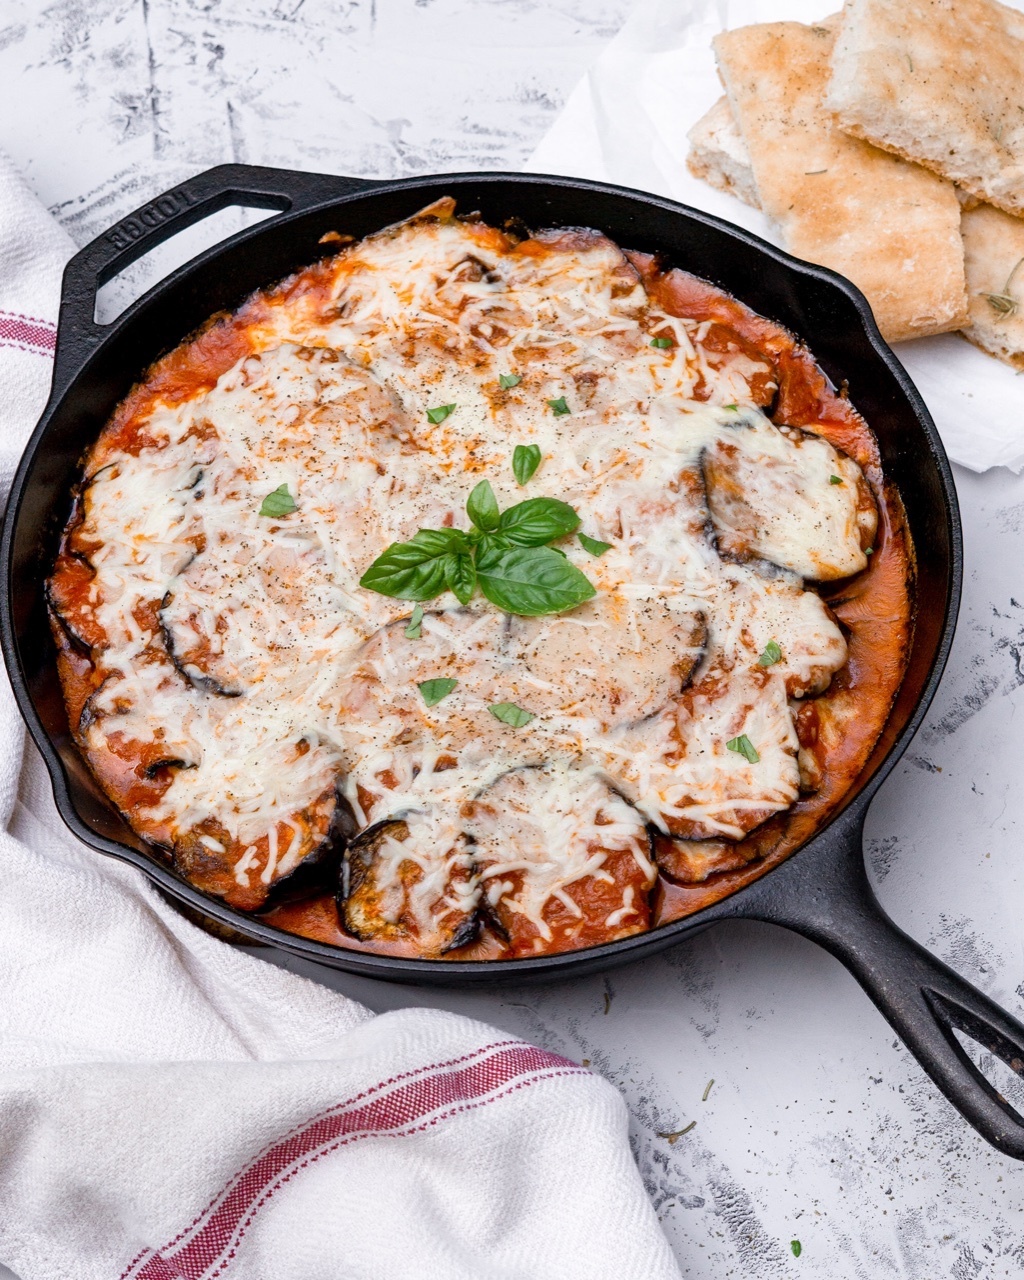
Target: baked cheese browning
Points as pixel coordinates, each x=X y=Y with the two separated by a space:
x=412 y=879
x=562 y=860
x=694 y=861
x=612 y=660
x=251 y=707
x=788 y=497
x=681 y=772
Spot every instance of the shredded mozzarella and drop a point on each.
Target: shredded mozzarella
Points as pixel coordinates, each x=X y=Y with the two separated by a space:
x=275 y=677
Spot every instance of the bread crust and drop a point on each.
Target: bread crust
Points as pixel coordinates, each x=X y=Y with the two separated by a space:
x=940 y=83
x=993 y=254
x=718 y=155
x=890 y=227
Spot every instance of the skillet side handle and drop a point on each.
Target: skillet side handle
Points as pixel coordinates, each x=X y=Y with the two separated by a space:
x=824 y=894
x=163 y=217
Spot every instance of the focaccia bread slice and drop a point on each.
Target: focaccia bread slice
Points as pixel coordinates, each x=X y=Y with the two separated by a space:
x=892 y=228
x=993 y=240
x=994 y=258
x=940 y=82
x=718 y=155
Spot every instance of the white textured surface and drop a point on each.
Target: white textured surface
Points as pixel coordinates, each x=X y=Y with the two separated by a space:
x=818 y=1126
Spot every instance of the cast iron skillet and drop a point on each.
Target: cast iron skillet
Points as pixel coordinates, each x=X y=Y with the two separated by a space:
x=822 y=891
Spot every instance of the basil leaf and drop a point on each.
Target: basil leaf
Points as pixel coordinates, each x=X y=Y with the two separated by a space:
x=414 y=570
x=662 y=343
x=509 y=713
x=279 y=503
x=434 y=690
x=482 y=507
x=558 y=407
x=537 y=520
x=744 y=747
x=834 y=480
x=414 y=629
x=797 y=1248
x=531 y=581
x=460 y=575
x=733 y=407
x=594 y=545
x=440 y=413
x=525 y=461
x=509 y=380
x=772 y=654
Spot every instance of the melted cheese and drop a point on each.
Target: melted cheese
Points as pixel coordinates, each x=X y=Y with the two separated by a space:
x=246 y=646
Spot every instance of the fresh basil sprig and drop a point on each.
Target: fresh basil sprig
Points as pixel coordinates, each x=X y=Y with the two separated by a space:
x=505 y=554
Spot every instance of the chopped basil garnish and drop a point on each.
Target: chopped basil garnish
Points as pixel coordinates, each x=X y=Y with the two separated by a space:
x=733 y=407
x=662 y=343
x=525 y=461
x=594 y=545
x=482 y=507
x=505 y=555
x=558 y=407
x=508 y=713
x=279 y=503
x=744 y=747
x=772 y=654
x=509 y=380
x=440 y=413
x=413 y=630
x=434 y=690
x=869 y=551
x=797 y=1248
x=834 y=480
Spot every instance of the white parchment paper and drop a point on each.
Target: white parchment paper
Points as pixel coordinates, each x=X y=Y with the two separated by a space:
x=626 y=122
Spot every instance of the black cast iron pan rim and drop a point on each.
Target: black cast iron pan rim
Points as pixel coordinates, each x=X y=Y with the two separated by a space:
x=820 y=891
x=94 y=262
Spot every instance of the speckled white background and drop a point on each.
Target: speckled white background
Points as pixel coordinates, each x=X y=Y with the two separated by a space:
x=819 y=1126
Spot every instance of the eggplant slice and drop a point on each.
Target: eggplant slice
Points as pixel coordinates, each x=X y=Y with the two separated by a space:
x=208 y=857
x=190 y=651
x=386 y=894
x=788 y=497
x=563 y=860
x=612 y=659
x=693 y=861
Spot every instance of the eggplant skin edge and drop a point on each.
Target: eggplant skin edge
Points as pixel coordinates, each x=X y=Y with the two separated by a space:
x=187 y=670
x=356 y=874
x=317 y=869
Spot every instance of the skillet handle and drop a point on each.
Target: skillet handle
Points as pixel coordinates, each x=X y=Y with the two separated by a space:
x=824 y=894
x=164 y=216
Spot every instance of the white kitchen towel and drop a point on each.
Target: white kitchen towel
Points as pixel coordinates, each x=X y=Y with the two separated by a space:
x=174 y=1109
x=626 y=122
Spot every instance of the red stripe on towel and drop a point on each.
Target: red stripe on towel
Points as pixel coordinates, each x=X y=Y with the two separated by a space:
x=27 y=332
x=395 y=1108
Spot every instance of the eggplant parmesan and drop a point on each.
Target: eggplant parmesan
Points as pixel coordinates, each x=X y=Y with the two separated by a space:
x=662 y=595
